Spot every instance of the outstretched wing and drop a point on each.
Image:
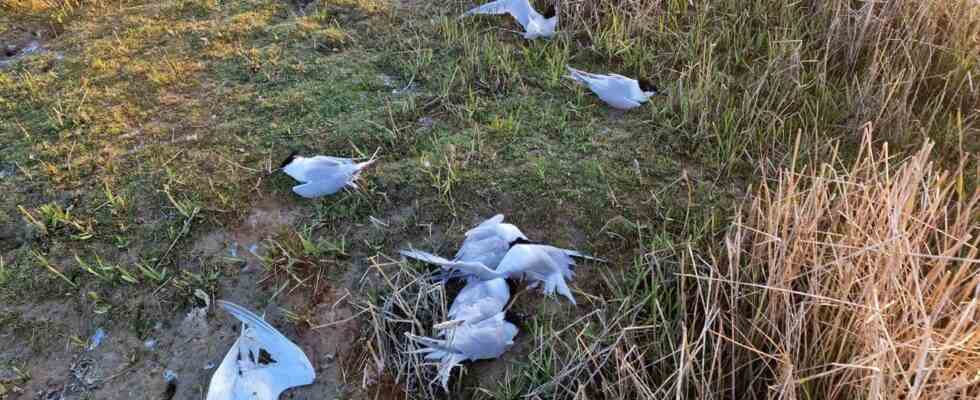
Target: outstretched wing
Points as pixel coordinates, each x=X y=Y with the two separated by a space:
x=494 y=220
x=225 y=378
x=521 y=10
x=492 y=8
x=262 y=361
x=479 y=300
x=425 y=257
x=486 y=339
x=489 y=250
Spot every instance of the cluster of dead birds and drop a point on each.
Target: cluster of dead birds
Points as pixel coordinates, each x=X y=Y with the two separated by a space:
x=492 y=252
x=263 y=363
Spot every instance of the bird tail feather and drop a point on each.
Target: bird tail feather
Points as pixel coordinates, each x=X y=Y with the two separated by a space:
x=426 y=257
x=577 y=75
x=454 y=268
x=446 y=368
x=578 y=254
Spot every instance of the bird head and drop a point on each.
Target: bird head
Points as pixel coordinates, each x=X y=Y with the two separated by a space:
x=649 y=89
x=292 y=156
x=550 y=12
x=510 y=233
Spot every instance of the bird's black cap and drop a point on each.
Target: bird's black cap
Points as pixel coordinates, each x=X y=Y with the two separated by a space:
x=522 y=241
x=550 y=11
x=292 y=156
x=647 y=86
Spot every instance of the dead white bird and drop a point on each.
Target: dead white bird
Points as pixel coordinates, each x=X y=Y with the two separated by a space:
x=535 y=25
x=537 y=263
x=483 y=340
x=618 y=91
x=261 y=364
x=487 y=243
x=478 y=301
x=323 y=175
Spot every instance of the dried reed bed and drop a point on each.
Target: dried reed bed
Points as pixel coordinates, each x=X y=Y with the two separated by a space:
x=860 y=284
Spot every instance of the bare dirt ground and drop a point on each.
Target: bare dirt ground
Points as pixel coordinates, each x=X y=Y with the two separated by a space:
x=187 y=344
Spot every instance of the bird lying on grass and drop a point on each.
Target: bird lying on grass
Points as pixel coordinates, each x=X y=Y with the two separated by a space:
x=323 y=175
x=482 y=340
x=486 y=243
x=534 y=262
x=261 y=364
x=618 y=91
x=477 y=301
x=537 y=263
x=535 y=25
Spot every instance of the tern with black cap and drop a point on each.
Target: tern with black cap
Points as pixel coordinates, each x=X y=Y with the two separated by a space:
x=618 y=91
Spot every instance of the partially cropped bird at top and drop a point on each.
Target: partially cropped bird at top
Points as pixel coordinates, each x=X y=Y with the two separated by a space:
x=323 y=175
x=486 y=339
x=261 y=364
x=618 y=91
x=535 y=25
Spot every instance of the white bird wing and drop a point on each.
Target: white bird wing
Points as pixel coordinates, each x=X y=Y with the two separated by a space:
x=300 y=168
x=477 y=269
x=521 y=259
x=616 y=90
x=521 y=10
x=262 y=363
x=480 y=300
x=223 y=382
x=632 y=87
x=425 y=257
x=541 y=264
x=328 y=177
x=490 y=222
x=474 y=268
x=584 y=77
x=486 y=339
x=489 y=250
x=492 y=8
x=617 y=85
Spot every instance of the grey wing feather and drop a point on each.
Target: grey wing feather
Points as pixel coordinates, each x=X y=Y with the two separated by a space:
x=492 y=8
x=320 y=188
x=489 y=251
x=494 y=220
x=425 y=257
x=303 y=170
x=522 y=12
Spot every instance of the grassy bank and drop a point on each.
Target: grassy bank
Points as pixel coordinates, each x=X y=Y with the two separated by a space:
x=140 y=146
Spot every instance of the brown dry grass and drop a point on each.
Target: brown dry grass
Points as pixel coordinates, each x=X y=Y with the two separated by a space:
x=848 y=280
x=859 y=284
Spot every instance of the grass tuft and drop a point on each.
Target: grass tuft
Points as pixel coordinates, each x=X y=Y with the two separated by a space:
x=849 y=283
